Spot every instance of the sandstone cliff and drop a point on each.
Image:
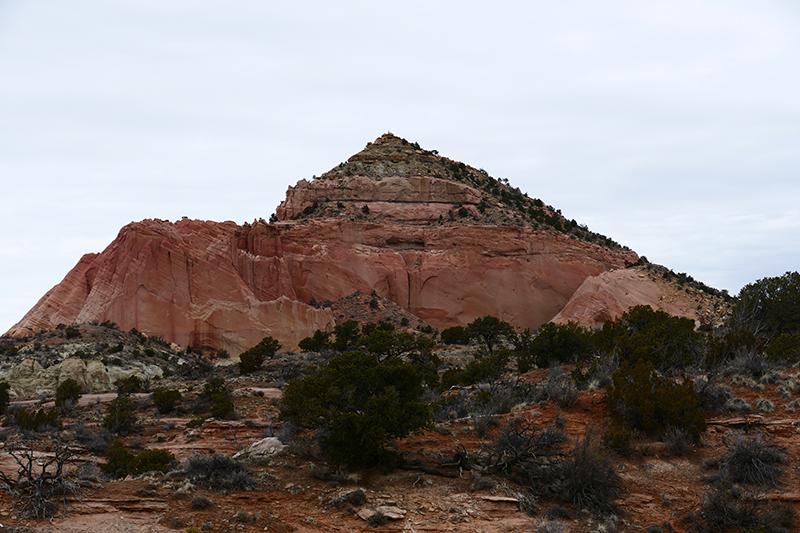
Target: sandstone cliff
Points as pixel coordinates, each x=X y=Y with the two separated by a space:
x=608 y=295
x=445 y=242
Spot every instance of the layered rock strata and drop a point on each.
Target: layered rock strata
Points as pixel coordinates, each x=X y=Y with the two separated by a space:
x=445 y=242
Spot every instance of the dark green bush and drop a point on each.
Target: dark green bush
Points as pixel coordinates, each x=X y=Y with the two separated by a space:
x=68 y=391
x=769 y=306
x=165 y=400
x=784 y=347
x=5 y=397
x=121 y=416
x=129 y=385
x=489 y=331
x=486 y=367
x=316 y=343
x=35 y=421
x=642 y=399
x=216 y=400
x=669 y=343
x=115 y=349
x=72 y=332
x=553 y=343
x=345 y=335
x=120 y=462
x=361 y=403
x=252 y=359
x=455 y=335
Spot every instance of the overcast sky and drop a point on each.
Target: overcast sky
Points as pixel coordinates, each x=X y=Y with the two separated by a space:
x=672 y=127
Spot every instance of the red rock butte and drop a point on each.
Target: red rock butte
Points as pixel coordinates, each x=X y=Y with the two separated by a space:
x=444 y=241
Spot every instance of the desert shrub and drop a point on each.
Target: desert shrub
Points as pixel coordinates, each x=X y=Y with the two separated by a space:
x=647 y=402
x=486 y=367
x=523 y=452
x=68 y=390
x=200 y=502
x=726 y=508
x=455 y=335
x=196 y=422
x=345 y=335
x=763 y=404
x=35 y=421
x=40 y=485
x=784 y=347
x=121 y=416
x=120 y=462
x=618 y=437
x=5 y=397
x=214 y=399
x=218 y=472
x=452 y=407
x=319 y=341
x=216 y=394
x=252 y=359
x=677 y=441
x=557 y=512
x=665 y=341
x=715 y=397
x=155 y=460
x=750 y=363
x=752 y=459
x=738 y=405
x=361 y=403
x=129 y=385
x=597 y=374
x=115 y=349
x=587 y=476
x=97 y=443
x=72 y=332
x=165 y=400
x=769 y=306
x=489 y=331
x=560 y=389
x=553 y=343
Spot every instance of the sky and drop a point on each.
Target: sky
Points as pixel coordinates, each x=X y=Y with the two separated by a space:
x=672 y=127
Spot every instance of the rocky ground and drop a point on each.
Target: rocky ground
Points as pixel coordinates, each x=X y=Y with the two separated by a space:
x=298 y=490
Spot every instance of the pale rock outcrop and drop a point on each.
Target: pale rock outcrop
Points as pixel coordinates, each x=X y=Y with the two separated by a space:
x=608 y=295
x=29 y=378
x=263 y=447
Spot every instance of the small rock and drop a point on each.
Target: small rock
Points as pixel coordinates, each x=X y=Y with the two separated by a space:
x=266 y=446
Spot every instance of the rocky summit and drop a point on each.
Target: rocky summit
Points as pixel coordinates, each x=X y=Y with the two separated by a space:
x=444 y=241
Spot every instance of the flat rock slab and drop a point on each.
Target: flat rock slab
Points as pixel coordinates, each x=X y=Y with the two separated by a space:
x=389 y=511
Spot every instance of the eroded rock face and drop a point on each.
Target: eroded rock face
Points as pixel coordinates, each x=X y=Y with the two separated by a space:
x=188 y=282
x=608 y=295
x=221 y=285
x=29 y=378
x=396 y=220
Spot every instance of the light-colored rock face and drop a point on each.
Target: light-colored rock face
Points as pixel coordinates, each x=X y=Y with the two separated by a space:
x=29 y=378
x=608 y=295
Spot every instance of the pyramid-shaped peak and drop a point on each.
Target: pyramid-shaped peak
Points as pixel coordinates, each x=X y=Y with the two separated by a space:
x=390 y=155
